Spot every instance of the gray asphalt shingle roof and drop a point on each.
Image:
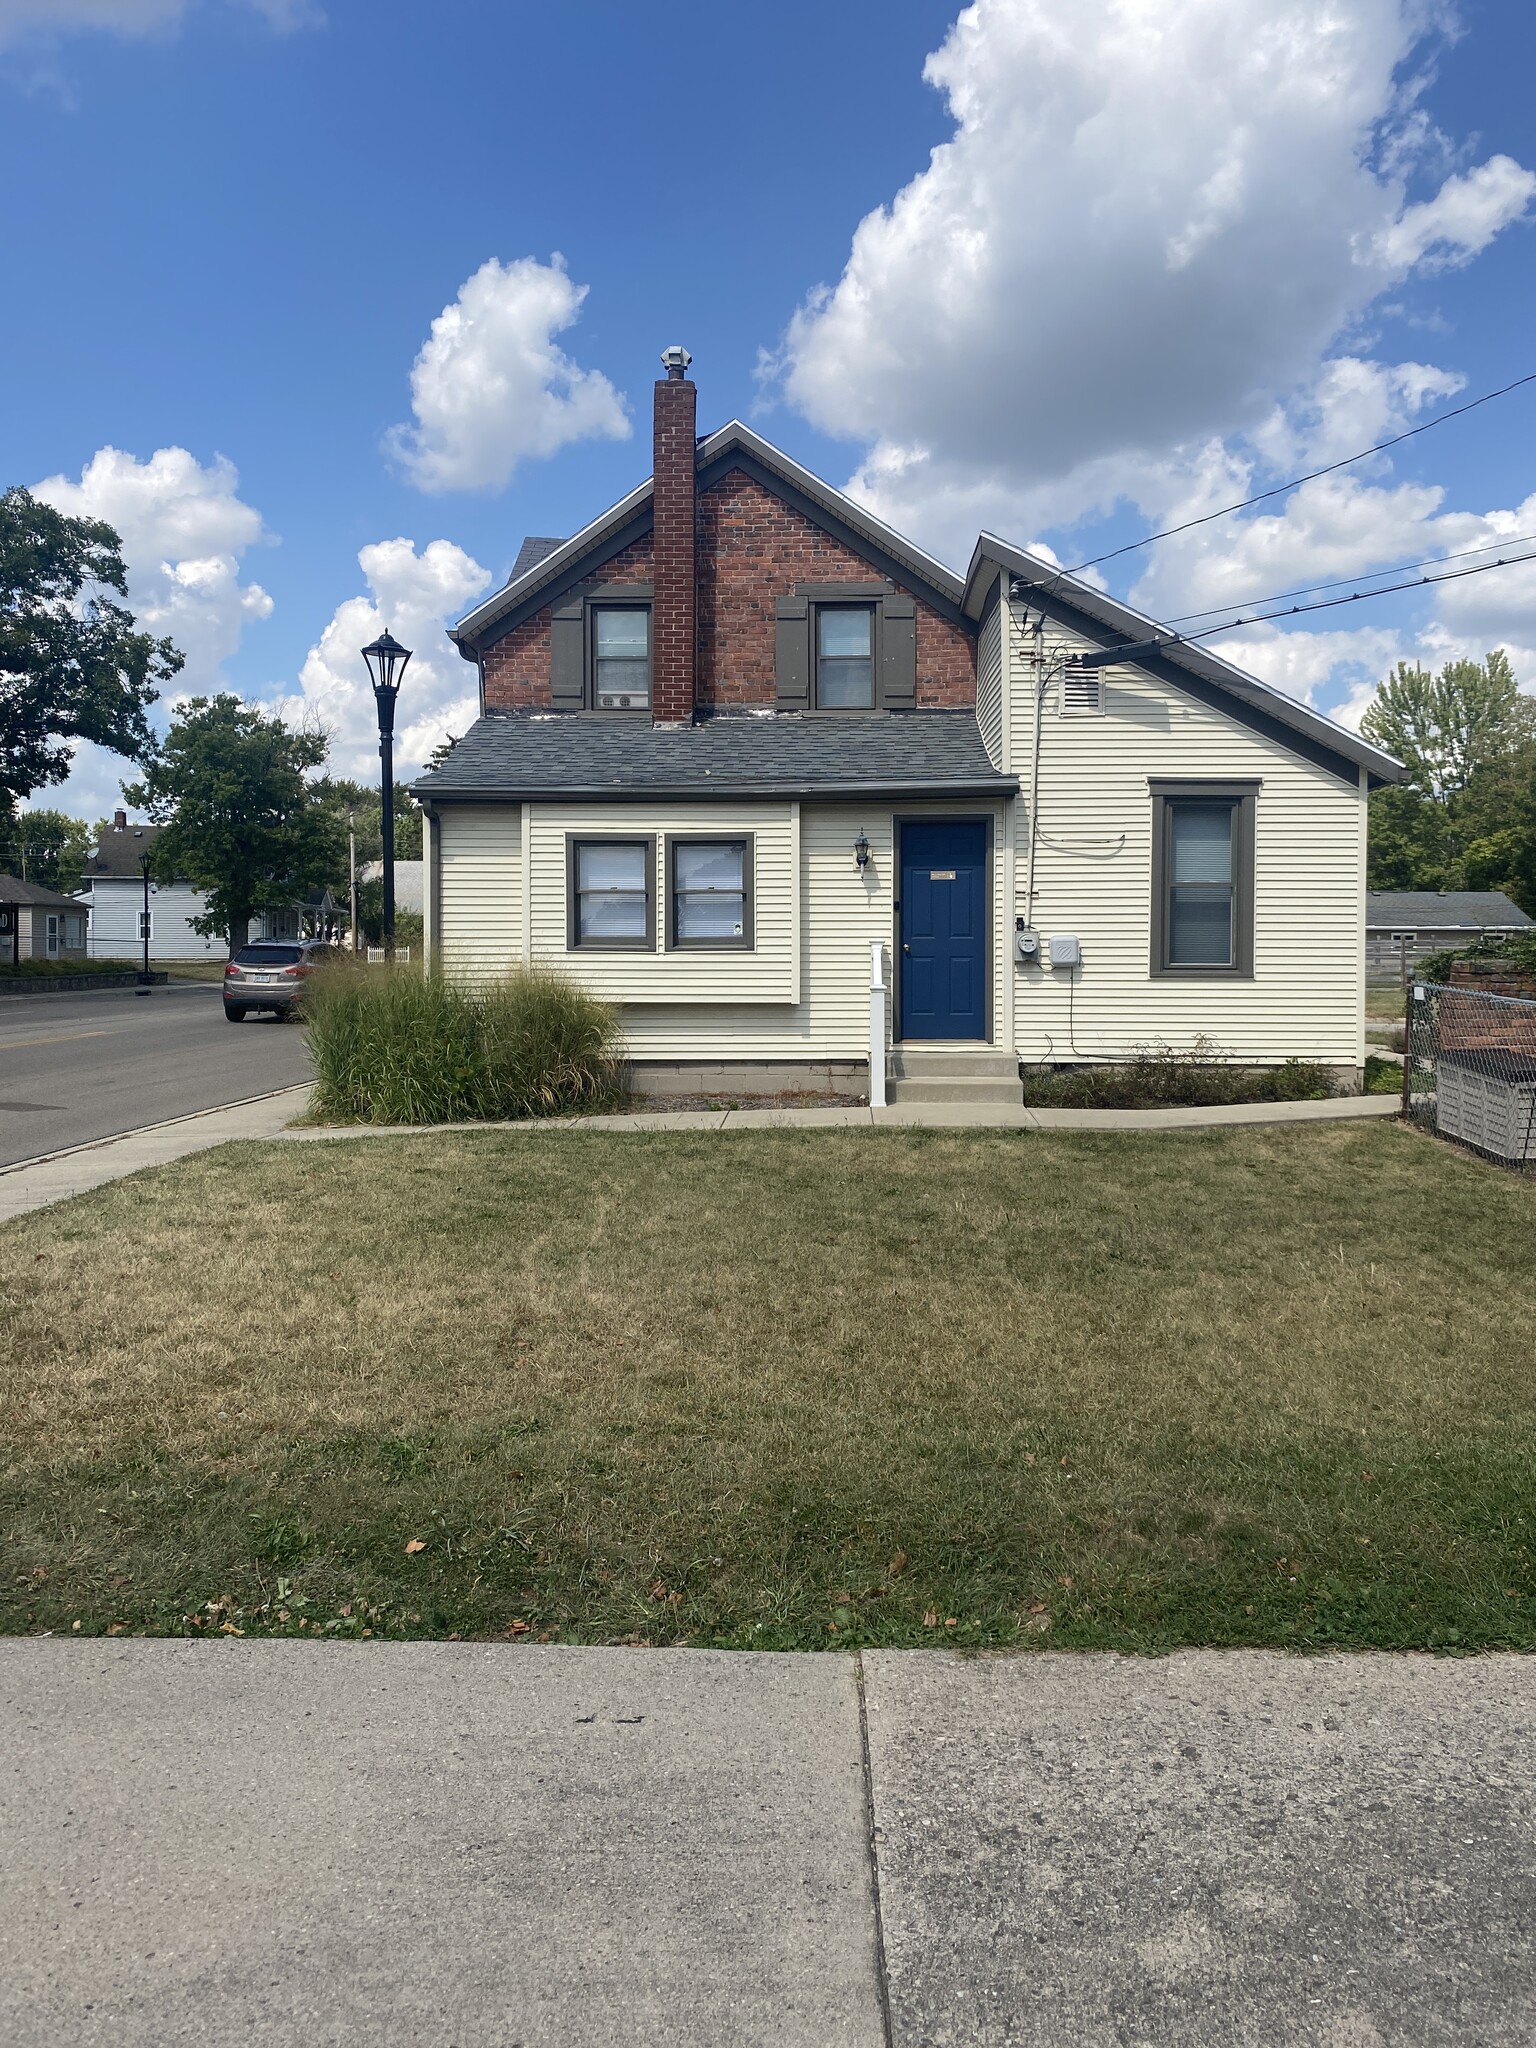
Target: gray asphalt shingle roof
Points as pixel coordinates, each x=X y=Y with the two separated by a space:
x=905 y=754
x=14 y=890
x=1472 y=909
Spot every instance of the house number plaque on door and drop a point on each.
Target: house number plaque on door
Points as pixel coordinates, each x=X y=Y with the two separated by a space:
x=941 y=875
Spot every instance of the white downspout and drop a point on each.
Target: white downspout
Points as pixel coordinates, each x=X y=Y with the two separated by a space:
x=876 y=1025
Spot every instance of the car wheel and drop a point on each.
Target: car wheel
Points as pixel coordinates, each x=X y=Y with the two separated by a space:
x=234 y=1013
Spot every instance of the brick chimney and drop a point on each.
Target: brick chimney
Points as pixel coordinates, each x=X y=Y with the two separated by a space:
x=120 y=821
x=674 y=611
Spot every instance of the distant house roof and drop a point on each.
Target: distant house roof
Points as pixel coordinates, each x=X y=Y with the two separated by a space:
x=14 y=890
x=1480 y=910
x=907 y=754
x=122 y=848
x=532 y=552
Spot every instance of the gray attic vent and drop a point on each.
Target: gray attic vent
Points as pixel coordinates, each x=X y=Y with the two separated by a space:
x=1082 y=691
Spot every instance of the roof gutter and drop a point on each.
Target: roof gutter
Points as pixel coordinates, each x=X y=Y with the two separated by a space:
x=685 y=792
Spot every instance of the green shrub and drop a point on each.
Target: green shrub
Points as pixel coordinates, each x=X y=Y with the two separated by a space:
x=1382 y=1077
x=1158 y=1077
x=392 y=1045
x=1518 y=949
x=42 y=968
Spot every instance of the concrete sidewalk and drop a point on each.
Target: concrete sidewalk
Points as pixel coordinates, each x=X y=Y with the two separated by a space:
x=35 y=1184
x=480 y=1846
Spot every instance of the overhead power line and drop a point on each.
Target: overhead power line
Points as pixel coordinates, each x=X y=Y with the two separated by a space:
x=1311 y=476
x=1328 y=604
x=1518 y=540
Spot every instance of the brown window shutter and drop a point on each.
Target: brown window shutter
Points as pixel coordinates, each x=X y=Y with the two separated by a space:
x=792 y=654
x=898 y=653
x=567 y=657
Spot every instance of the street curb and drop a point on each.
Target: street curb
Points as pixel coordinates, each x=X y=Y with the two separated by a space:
x=144 y=1130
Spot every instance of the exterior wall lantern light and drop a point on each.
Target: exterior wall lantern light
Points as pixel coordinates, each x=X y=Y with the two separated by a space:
x=386 y=660
x=861 y=850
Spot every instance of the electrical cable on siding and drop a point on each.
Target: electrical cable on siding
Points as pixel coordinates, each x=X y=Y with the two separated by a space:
x=1115 y=842
x=1311 y=476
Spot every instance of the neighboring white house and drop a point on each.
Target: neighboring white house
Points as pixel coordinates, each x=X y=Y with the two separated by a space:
x=736 y=733
x=114 y=895
x=408 y=882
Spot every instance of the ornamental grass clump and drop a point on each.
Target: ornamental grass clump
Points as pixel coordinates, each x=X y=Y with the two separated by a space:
x=393 y=1045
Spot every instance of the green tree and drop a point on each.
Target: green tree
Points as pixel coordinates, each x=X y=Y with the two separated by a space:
x=72 y=664
x=241 y=822
x=47 y=847
x=1466 y=816
x=1444 y=727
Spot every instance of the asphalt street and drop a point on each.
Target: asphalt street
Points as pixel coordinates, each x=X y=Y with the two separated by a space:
x=77 y=1068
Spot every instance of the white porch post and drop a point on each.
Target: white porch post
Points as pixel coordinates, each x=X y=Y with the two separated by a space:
x=876 y=1025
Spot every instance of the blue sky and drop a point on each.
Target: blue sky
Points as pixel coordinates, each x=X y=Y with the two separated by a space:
x=1167 y=250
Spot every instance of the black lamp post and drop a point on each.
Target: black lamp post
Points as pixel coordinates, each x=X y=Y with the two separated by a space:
x=144 y=980
x=386 y=660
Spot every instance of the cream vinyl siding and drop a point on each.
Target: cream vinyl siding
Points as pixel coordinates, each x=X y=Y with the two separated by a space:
x=989 y=685
x=1306 y=998
x=801 y=994
x=764 y=974
x=479 y=904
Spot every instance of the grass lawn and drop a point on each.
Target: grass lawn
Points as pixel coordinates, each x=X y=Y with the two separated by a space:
x=1268 y=1386
x=1384 y=1002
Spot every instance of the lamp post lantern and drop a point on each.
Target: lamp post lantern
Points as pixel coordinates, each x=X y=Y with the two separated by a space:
x=386 y=660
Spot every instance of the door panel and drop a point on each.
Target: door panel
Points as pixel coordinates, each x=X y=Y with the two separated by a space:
x=944 y=929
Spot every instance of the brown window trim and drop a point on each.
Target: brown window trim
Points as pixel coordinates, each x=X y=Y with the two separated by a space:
x=747 y=943
x=1242 y=795
x=575 y=944
x=619 y=597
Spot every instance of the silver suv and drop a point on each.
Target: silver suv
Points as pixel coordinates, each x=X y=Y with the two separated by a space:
x=270 y=975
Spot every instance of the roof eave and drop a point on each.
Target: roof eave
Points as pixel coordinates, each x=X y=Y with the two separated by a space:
x=734 y=434
x=610 y=792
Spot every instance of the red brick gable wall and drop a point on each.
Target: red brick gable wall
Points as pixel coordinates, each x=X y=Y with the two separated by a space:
x=517 y=666
x=753 y=548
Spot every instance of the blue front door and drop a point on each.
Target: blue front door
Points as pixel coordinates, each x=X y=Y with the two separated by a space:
x=944 y=929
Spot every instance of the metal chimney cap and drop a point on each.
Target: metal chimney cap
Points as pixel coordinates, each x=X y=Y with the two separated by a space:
x=676 y=359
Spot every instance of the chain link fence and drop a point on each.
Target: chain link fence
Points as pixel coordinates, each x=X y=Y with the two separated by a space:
x=1470 y=1070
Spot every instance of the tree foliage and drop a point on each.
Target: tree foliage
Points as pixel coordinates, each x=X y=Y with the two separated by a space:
x=241 y=821
x=1466 y=816
x=47 y=847
x=72 y=663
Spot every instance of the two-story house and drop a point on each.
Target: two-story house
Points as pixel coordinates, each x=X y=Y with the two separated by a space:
x=736 y=732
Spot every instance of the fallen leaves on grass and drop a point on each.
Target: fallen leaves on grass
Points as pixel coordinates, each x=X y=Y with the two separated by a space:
x=414 y=1546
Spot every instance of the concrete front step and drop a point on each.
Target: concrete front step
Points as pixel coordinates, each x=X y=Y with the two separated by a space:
x=958 y=1088
x=952 y=1062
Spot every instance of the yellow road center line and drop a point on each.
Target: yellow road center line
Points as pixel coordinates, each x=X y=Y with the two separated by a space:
x=58 y=1037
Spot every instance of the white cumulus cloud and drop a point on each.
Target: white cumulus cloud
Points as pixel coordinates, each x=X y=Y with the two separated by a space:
x=415 y=595
x=35 y=20
x=1150 y=224
x=491 y=389
x=184 y=529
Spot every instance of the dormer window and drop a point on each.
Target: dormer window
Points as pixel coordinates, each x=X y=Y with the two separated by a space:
x=845 y=657
x=621 y=657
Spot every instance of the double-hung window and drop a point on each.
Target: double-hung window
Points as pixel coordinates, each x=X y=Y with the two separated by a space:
x=845 y=657
x=709 y=893
x=1202 y=879
x=612 y=894
x=621 y=657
